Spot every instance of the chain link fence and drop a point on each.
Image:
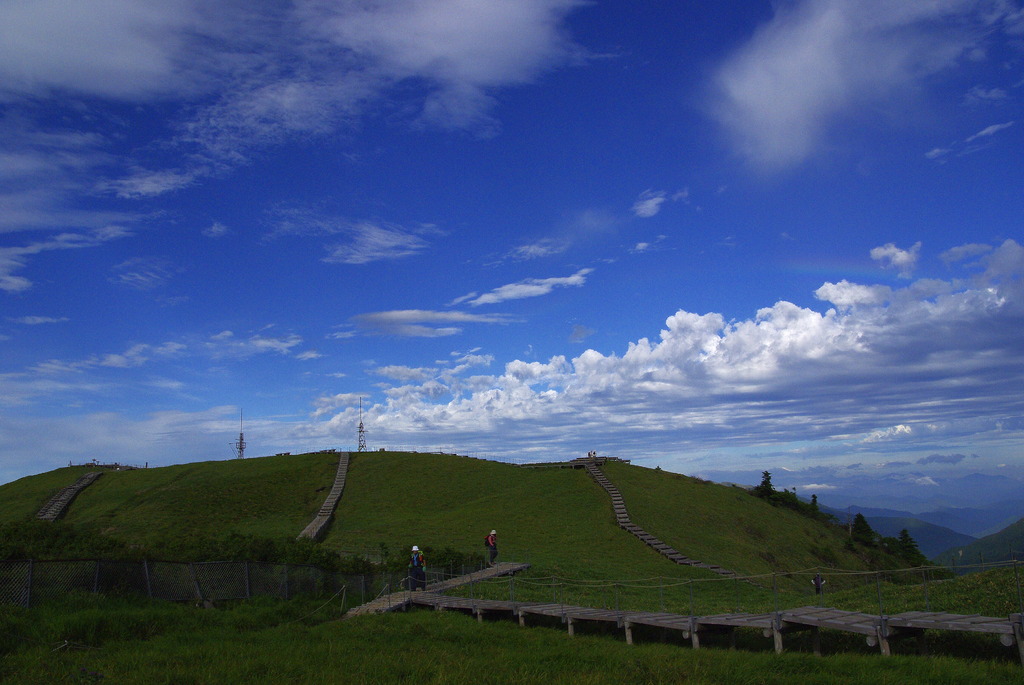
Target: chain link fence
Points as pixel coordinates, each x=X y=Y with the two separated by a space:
x=30 y=583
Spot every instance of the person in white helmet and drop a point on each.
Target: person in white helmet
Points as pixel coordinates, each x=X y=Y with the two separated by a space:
x=417 y=570
x=491 y=541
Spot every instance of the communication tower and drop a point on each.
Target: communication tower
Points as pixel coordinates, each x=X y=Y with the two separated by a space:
x=239 y=445
x=362 y=431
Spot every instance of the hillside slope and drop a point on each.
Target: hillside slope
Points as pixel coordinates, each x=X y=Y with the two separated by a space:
x=1006 y=545
x=557 y=519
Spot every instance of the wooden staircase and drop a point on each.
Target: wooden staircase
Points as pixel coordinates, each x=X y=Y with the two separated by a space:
x=59 y=503
x=323 y=517
x=622 y=518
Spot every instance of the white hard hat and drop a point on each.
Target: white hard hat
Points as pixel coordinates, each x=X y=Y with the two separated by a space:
x=494 y=532
x=415 y=548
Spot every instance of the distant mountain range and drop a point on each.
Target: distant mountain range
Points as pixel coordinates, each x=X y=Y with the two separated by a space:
x=1000 y=525
x=931 y=539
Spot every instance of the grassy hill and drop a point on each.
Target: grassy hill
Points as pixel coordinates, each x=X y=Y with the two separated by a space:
x=930 y=538
x=557 y=519
x=1006 y=545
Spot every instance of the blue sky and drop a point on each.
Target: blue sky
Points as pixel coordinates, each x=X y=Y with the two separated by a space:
x=716 y=238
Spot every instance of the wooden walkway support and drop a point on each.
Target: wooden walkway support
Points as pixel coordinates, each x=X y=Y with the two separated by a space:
x=323 y=517
x=622 y=518
x=58 y=505
x=402 y=599
x=879 y=631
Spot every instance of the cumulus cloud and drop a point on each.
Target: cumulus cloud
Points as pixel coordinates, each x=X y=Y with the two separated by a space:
x=896 y=258
x=530 y=287
x=889 y=433
x=923 y=360
x=818 y=61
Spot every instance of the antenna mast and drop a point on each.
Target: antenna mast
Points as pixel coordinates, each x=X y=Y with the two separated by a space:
x=362 y=431
x=240 y=443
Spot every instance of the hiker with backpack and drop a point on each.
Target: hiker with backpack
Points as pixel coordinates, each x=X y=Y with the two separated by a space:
x=417 y=570
x=491 y=542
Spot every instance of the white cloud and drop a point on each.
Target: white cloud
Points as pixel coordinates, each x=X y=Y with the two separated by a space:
x=816 y=62
x=419 y=323
x=845 y=294
x=923 y=361
x=461 y=48
x=124 y=49
x=144 y=273
x=545 y=247
x=962 y=252
x=372 y=242
x=649 y=203
x=37 y=320
x=15 y=258
x=889 y=433
x=216 y=230
x=530 y=287
x=146 y=183
x=989 y=131
x=893 y=257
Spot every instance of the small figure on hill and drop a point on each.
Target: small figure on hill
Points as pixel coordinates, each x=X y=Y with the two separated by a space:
x=818 y=582
x=491 y=542
x=417 y=570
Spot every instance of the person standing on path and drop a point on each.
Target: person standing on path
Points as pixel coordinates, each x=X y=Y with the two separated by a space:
x=417 y=570
x=492 y=545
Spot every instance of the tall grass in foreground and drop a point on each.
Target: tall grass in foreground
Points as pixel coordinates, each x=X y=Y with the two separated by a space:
x=275 y=642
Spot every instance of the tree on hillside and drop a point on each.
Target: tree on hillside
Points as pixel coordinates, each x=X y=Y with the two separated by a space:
x=765 y=490
x=862 y=531
x=906 y=547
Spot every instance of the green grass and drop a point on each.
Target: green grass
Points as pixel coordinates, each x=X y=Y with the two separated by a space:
x=273 y=642
x=559 y=520
x=270 y=497
x=21 y=499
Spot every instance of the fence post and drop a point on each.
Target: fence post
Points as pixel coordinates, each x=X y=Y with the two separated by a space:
x=927 y=600
x=512 y=589
x=775 y=592
x=1016 y=576
x=28 y=588
x=878 y=587
x=690 y=583
x=195 y=580
x=149 y=585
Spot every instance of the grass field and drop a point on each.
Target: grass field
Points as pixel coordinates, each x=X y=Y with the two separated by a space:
x=558 y=520
x=264 y=641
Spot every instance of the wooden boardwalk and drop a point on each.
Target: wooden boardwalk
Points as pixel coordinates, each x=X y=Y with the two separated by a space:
x=323 y=517
x=402 y=599
x=622 y=518
x=879 y=631
x=58 y=505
